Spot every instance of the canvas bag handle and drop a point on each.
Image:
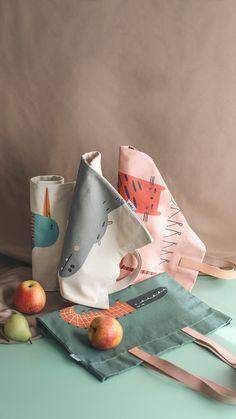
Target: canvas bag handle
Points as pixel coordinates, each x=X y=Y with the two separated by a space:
x=210 y=344
x=225 y=270
x=128 y=280
x=199 y=384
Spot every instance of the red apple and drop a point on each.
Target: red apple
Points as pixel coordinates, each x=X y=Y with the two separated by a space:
x=105 y=332
x=30 y=297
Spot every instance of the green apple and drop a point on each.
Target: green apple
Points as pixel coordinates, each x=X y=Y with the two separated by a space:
x=16 y=327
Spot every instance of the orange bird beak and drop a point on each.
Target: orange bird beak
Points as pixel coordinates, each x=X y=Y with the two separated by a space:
x=46 y=204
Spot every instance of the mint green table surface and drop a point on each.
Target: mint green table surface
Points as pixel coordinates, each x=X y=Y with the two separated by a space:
x=40 y=381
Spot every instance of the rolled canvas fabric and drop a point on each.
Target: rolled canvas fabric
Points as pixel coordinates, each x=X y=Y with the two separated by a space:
x=50 y=200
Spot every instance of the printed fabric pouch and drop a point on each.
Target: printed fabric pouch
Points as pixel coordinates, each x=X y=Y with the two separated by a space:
x=157 y=315
x=176 y=248
x=50 y=200
x=101 y=230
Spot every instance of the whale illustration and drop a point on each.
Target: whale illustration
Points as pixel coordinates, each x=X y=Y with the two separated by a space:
x=44 y=229
x=92 y=203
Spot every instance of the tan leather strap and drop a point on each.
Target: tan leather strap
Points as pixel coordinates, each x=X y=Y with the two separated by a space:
x=210 y=344
x=227 y=271
x=202 y=385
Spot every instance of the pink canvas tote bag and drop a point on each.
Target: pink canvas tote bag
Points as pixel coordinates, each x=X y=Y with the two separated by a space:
x=176 y=248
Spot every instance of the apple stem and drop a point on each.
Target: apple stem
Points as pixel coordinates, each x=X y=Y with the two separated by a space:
x=30 y=341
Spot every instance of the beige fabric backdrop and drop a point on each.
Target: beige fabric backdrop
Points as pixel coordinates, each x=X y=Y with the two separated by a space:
x=81 y=75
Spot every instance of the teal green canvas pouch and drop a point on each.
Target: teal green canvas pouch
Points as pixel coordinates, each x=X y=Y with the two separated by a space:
x=152 y=313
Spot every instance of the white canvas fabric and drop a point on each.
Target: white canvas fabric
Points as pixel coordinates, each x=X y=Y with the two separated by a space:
x=102 y=229
x=50 y=200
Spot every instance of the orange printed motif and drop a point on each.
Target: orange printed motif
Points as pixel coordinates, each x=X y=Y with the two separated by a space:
x=143 y=194
x=143 y=271
x=84 y=319
x=46 y=204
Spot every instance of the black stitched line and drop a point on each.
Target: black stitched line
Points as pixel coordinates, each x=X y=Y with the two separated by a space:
x=174 y=223
x=178 y=233
x=174 y=231
x=166 y=252
x=127 y=192
x=173 y=215
x=170 y=243
x=164 y=261
x=66 y=263
x=169 y=227
x=133 y=184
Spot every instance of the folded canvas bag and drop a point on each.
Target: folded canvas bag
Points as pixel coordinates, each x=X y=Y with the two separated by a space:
x=176 y=248
x=101 y=230
x=50 y=200
x=157 y=315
